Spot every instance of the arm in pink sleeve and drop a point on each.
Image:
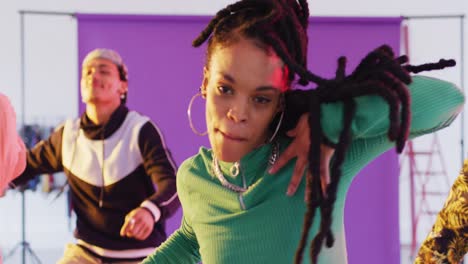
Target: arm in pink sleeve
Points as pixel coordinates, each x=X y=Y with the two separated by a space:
x=12 y=149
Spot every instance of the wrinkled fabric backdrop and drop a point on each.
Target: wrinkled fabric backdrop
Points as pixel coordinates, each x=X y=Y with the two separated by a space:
x=165 y=72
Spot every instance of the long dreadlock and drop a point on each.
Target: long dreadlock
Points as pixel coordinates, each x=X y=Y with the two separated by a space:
x=282 y=25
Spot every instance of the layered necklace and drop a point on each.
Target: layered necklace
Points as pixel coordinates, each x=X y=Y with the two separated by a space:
x=235 y=169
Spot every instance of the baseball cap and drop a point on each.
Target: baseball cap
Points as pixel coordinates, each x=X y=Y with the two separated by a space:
x=107 y=54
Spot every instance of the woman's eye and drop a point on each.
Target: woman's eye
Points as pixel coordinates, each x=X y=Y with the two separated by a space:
x=262 y=99
x=224 y=90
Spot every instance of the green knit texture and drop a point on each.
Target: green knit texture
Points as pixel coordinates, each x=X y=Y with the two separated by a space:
x=263 y=225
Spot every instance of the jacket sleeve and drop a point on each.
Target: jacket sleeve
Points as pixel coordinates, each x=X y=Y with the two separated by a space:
x=12 y=149
x=158 y=163
x=180 y=248
x=44 y=157
x=448 y=240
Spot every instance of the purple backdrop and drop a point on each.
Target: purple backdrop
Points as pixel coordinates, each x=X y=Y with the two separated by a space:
x=165 y=72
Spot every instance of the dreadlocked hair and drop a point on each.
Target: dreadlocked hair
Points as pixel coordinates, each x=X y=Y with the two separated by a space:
x=260 y=20
x=282 y=26
x=379 y=73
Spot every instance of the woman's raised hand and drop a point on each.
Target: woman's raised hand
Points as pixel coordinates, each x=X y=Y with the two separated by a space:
x=299 y=148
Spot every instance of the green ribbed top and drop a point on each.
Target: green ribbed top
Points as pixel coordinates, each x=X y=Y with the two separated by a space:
x=263 y=225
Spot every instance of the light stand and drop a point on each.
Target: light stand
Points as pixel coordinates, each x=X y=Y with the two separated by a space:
x=23 y=244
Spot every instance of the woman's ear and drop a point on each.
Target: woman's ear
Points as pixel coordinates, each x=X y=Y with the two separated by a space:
x=206 y=77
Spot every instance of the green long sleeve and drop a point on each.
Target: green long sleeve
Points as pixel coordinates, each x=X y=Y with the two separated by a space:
x=263 y=225
x=429 y=110
x=182 y=247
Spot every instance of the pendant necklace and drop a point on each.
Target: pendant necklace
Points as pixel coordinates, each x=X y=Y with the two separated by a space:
x=235 y=169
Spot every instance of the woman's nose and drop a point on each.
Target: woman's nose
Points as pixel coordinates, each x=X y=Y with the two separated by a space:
x=237 y=114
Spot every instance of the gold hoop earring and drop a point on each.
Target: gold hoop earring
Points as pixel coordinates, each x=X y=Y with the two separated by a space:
x=277 y=127
x=189 y=114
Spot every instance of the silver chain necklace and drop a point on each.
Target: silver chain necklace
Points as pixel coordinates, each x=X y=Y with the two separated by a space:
x=235 y=170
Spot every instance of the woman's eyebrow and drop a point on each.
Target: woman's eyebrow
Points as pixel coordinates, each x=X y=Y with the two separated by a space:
x=227 y=77
x=262 y=88
x=267 y=88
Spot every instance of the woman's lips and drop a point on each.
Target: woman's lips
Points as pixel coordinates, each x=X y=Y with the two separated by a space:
x=231 y=137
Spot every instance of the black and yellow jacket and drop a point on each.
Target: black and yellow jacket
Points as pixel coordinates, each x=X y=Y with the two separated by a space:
x=448 y=240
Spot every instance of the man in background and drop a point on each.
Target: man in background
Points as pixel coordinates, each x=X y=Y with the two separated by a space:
x=120 y=172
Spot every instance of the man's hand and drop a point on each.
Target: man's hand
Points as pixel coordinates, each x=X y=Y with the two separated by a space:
x=299 y=148
x=138 y=224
